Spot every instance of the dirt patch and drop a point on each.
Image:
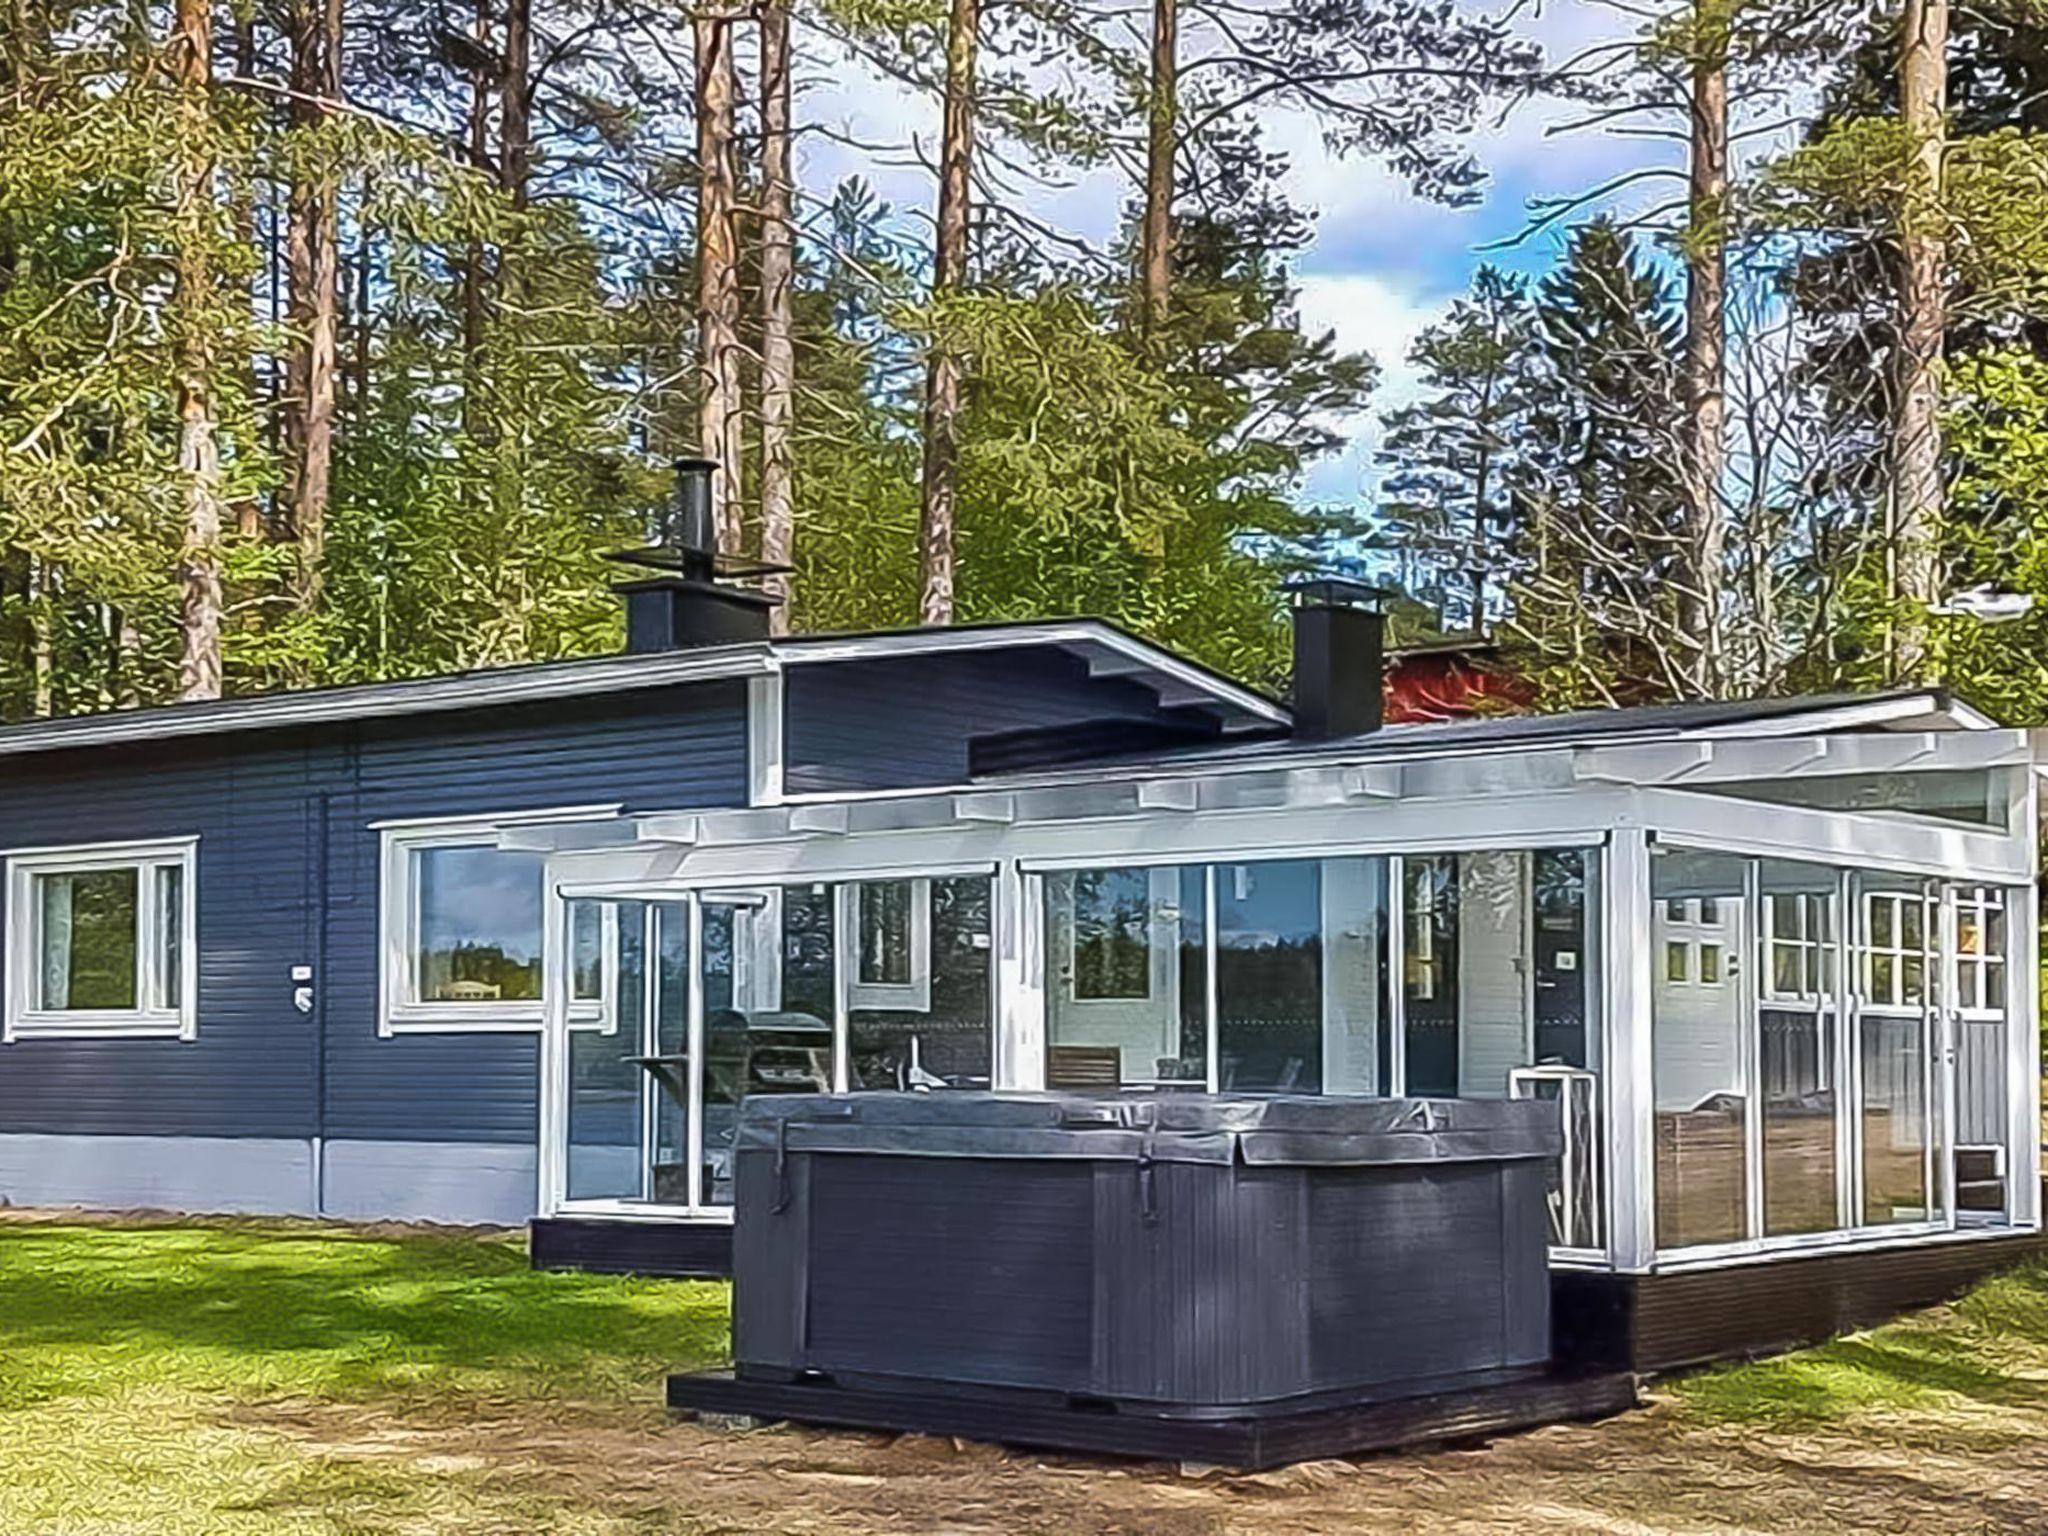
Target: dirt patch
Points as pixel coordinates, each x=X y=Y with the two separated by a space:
x=1650 y=1472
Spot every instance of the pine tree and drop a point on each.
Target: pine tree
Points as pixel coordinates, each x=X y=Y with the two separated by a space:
x=1456 y=455
x=1603 y=517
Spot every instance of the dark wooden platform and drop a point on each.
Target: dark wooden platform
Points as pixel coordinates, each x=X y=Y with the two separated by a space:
x=681 y=1250
x=1247 y=1441
x=1660 y=1322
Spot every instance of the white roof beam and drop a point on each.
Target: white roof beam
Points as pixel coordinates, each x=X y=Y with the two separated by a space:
x=999 y=809
x=684 y=829
x=831 y=820
x=1169 y=795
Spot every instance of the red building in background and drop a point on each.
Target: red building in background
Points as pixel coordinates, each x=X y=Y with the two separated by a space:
x=1452 y=679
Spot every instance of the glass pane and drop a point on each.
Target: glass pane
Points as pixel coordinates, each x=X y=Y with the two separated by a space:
x=1799 y=1082
x=1112 y=934
x=1677 y=960
x=586 y=951
x=478 y=925
x=885 y=927
x=1697 y=1048
x=1269 y=977
x=88 y=938
x=605 y=1161
x=1710 y=965
x=951 y=1043
x=1127 y=979
x=767 y=1011
x=1895 y=1187
x=170 y=935
x=1563 y=1036
x=1430 y=969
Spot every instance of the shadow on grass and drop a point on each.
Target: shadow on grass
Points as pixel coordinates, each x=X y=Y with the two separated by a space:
x=1991 y=1347
x=85 y=1308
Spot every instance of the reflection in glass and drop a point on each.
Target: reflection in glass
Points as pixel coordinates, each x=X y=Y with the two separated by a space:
x=1269 y=976
x=1126 y=978
x=1697 y=1029
x=950 y=1042
x=885 y=932
x=755 y=1041
x=1799 y=1087
x=88 y=928
x=1894 y=1027
x=477 y=925
x=605 y=1157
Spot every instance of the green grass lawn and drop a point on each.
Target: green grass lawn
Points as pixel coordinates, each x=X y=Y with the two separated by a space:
x=227 y=1377
x=140 y=1367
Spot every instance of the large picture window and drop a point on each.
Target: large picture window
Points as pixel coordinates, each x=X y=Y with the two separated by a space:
x=462 y=934
x=101 y=941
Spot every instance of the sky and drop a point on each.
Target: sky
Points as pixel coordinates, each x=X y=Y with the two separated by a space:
x=1384 y=264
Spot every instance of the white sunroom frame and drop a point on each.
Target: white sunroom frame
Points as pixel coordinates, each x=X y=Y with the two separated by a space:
x=1617 y=798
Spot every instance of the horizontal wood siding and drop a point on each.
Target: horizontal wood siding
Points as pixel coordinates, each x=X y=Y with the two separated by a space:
x=892 y=723
x=279 y=815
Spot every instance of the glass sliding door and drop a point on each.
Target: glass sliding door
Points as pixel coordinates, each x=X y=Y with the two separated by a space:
x=628 y=1051
x=1897 y=975
x=1799 y=1080
x=1700 y=1047
x=1983 y=1114
x=679 y=1009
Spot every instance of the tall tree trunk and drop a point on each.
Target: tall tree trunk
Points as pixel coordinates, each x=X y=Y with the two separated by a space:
x=718 y=278
x=474 y=276
x=199 y=662
x=778 y=274
x=1704 y=451
x=314 y=259
x=1162 y=139
x=945 y=370
x=515 y=132
x=1916 y=434
x=249 y=510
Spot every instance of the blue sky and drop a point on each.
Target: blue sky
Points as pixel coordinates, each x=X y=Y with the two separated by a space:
x=1384 y=264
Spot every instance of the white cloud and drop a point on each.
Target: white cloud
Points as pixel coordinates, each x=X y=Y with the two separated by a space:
x=1368 y=312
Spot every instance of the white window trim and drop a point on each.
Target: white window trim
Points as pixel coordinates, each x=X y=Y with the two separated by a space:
x=399 y=1011
x=914 y=995
x=25 y=1021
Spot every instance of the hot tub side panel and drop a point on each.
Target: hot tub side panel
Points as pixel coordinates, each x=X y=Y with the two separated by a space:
x=1202 y=1287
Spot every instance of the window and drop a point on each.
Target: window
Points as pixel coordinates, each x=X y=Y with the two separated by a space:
x=461 y=933
x=1695 y=951
x=1896 y=951
x=893 y=945
x=1980 y=950
x=1799 y=935
x=101 y=941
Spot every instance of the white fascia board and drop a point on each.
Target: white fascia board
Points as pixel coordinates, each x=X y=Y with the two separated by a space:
x=1914 y=710
x=435 y=695
x=996 y=808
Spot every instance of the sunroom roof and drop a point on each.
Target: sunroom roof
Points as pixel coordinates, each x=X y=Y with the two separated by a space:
x=1912 y=709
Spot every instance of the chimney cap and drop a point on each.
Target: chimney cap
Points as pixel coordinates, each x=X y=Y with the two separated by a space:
x=1337 y=592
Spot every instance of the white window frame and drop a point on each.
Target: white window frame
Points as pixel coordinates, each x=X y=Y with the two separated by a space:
x=399 y=1008
x=147 y=1020
x=914 y=995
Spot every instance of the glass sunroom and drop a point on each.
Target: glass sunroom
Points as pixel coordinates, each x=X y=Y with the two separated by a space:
x=1777 y=971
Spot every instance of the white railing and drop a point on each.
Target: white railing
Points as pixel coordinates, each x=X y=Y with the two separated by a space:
x=1576 y=1209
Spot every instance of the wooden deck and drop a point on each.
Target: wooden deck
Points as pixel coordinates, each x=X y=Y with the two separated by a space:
x=1246 y=1439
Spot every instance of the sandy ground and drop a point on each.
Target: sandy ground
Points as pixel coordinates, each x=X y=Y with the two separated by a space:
x=1969 y=1470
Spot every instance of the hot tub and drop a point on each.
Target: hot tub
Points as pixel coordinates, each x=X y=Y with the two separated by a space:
x=1192 y=1254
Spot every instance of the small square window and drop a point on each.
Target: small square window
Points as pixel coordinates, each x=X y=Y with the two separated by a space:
x=892 y=930
x=1710 y=910
x=1710 y=965
x=100 y=941
x=1677 y=962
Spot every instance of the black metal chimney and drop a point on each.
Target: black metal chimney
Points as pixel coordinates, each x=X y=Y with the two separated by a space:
x=684 y=605
x=1339 y=657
